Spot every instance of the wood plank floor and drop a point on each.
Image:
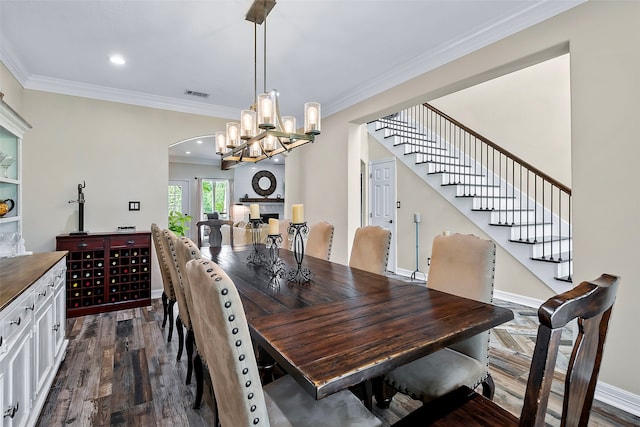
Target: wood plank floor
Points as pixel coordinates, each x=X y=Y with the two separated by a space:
x=120 y=371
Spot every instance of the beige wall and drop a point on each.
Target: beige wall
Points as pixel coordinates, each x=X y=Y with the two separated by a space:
x=526 y=112
x=120 y=151
x=604 y=64
x=11 y=89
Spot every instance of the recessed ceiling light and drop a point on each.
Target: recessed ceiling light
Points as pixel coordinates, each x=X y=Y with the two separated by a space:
x=199 y=141
x=117 y=59
x=188 y=152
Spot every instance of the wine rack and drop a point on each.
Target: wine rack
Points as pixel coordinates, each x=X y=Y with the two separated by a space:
x=106 y=271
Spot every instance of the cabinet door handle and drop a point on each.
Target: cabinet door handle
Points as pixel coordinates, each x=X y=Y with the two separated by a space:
x=30 y=307
x=16 y=321
x=11 y=411
x=82 y=245
x=0 y=340
x=56 y=327
x=44 y=293
x=130 y=242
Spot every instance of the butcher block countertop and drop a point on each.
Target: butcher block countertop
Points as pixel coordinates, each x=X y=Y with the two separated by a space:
x=18 y=273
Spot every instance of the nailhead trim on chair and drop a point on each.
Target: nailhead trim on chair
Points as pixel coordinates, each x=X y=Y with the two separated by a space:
x=241 y=357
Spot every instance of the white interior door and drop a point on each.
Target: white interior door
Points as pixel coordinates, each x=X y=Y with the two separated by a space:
x=382 y=201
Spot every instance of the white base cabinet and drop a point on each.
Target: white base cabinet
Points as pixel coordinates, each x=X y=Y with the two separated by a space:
x=32 y=330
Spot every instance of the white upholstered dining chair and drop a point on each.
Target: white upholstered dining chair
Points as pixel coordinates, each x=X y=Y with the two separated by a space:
x=320 y=240
x=170 y=240
x=370 y=250
x=462 y=265
x=241 y=400
x=168 y=294
x=186 y=250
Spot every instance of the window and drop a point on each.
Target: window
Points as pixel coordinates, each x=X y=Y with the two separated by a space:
x=215 y=197
x=175 y=198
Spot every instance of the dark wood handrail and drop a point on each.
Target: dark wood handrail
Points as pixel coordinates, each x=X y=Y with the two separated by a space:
x=501 y=150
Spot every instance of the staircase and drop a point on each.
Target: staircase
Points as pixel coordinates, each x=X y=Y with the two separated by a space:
x=522 y=209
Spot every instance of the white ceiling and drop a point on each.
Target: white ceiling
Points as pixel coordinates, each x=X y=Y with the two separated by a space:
x=336 y=52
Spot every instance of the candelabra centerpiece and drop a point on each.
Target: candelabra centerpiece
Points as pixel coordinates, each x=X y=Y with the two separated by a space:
x=254 y=228
x=274 y=265
x=298 y=233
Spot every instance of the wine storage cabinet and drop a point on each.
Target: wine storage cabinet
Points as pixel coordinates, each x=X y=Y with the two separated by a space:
x=106 y=271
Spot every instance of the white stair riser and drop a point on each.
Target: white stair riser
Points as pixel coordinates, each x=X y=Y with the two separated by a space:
x=452 y=169
x=539 y=230
x=393 y=126
x=430 y=150
x=500 y=203
x=532 y=231
x=409 y=142
x=452 y=178
x=564 y=269
x=510 y=217
x=467 y=190
x=548 y=248
x=406 y=133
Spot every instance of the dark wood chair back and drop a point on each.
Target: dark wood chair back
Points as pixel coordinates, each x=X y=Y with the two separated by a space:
x=591 y=304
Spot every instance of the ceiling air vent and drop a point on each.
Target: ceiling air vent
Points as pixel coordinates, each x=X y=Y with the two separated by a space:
x=196 y=93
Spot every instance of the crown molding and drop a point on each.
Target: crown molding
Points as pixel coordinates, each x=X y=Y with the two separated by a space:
x=10 y=60
x=467 y=43
x=84 y=90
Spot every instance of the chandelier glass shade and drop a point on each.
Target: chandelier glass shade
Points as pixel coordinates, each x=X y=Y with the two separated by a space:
x=262 y=132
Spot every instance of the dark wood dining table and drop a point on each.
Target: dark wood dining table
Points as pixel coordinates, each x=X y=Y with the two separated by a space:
x=347 y=325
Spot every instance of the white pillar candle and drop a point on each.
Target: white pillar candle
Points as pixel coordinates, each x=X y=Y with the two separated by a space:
x=297 y=214
x=254 y=211
x=274 y=226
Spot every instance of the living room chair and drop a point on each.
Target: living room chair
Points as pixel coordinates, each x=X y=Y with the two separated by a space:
x=370 y=250
x=184 y=319
x=591 y=303
x=240 y=398
x=462 y=265
x=320 y=240
x=168 y=294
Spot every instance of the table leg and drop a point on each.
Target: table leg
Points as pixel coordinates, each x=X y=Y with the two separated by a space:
x=383 y=392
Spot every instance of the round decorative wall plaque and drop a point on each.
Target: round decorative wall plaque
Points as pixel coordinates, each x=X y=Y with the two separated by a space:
x=264 y=183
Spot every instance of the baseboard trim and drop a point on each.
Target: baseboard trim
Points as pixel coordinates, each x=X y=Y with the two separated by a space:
x=517 y=299
x=617 y=397
x=156 y=293
x=407 y=273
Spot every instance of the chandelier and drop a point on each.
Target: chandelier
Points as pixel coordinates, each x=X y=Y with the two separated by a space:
x=262 y=132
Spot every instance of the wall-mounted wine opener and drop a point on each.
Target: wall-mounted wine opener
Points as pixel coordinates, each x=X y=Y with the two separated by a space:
x=80 y=203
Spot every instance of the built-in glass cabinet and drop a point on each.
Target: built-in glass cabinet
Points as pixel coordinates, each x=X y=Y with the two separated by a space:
x=12 y=129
